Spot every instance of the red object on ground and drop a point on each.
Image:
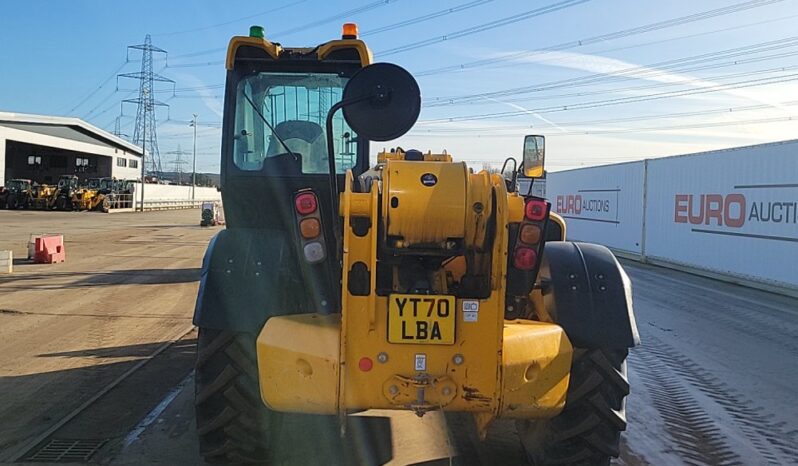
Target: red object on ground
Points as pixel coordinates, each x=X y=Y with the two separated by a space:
x=49 y=250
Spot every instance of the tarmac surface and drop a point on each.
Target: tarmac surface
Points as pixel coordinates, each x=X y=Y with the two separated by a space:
x=96 y=362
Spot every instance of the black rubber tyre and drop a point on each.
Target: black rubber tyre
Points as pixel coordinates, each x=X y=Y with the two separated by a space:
x=12 y=202
x=233 y=425
x=588 y=430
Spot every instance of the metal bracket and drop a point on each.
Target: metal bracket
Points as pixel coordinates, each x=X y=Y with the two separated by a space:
x=419 y=394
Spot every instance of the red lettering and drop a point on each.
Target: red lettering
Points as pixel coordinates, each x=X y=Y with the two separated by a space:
x=714 y=208
x=569 y=204
x=732 y=199
x=680 y=209
x=725 y=210
x=695 y=219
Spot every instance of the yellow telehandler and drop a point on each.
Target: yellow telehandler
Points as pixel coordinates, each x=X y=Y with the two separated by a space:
x=415 y=284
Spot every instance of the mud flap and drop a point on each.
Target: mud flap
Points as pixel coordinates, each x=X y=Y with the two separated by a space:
x=588 y=294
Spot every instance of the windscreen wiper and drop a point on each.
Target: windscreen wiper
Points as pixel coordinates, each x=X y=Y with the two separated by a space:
x=263 y=118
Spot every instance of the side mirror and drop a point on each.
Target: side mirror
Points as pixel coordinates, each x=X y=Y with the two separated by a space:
x=381 y=102
x=534 y=155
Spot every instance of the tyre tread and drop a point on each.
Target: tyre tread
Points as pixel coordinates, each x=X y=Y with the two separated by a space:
x=232 y=423
x=587 y=431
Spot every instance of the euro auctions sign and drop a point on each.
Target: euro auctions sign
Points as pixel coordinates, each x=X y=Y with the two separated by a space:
x=732 y=211
x=600 y=205
x=764 y=211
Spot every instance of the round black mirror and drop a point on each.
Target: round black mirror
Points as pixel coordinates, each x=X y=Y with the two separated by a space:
x=381 y=102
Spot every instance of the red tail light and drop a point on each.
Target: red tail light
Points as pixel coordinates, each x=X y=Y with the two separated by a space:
x=535 y=210
x=306 y=203
x=525 y=258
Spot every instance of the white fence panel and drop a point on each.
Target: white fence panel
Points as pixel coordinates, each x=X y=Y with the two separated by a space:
x=731 y=211
x=168 y=192
x=601 y=204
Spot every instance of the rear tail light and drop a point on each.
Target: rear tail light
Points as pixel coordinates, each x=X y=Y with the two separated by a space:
x=530 y=234
x=523 y=263
x=535 y=210
x=310 y=228
x=314 y=252
x=306 y=203
x=525 y=258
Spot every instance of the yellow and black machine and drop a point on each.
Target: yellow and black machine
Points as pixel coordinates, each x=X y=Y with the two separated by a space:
x=18 y=193
x=69 y=194
x=44 y=197
x=414 y=284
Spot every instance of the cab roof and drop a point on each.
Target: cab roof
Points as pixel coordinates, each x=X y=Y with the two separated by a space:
x=276 y=51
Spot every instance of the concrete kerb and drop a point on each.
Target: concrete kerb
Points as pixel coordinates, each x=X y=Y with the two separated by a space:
x=724 y=277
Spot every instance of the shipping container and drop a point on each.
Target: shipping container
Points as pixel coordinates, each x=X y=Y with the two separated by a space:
x=601 y=204
x=732 y=212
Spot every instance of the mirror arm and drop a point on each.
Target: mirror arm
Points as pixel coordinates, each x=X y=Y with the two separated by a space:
x=515 y=169
x=334 y=195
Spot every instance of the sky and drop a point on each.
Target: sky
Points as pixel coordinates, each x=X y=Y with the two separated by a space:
x=605 y=81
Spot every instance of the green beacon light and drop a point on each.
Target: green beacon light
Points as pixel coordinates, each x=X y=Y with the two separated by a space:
x=256 y=31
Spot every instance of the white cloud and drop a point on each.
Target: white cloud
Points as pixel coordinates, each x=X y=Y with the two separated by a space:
x=213 y=103
x=613 y=67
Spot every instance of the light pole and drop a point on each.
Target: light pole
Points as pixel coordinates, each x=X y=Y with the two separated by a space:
x=194 y=163
x=143 y=164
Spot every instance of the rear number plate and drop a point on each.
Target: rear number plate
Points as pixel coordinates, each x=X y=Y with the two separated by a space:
x=421 y=319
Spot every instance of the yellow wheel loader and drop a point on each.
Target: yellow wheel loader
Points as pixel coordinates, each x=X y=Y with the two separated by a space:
x=416 y=284
x=44 y=197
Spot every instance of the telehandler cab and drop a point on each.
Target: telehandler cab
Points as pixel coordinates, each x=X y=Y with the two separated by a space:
x=18 y=193
x=415 y=284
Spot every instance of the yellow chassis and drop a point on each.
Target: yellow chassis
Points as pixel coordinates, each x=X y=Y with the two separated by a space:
x=310 y=363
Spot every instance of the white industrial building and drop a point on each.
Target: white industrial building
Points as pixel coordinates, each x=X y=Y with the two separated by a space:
x=42 y=148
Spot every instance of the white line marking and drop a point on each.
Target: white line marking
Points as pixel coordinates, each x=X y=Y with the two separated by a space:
x=156 y=412
x=20 y=452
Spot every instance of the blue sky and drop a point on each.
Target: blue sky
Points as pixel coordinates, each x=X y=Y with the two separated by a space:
x=605 y=80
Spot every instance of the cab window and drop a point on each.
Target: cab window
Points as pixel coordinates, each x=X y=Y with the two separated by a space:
x=294 y=107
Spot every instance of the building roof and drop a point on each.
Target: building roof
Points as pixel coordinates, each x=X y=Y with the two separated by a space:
x=67 y=128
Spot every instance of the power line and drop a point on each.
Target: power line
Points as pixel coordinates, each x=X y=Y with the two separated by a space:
x=197 y=65
x=493 y=129
x=606 y=37
x=423 y=18
x=389 y=27
x=109 y=108
x=483 y=27
x=649 y=86
x=98 y=88
x=209 y=124
x=635 y=72
x=685 y=82
x=213 y=26
x=304 y=27
x=101 y=102
x=621 y=100
x=186 y=89
x=758 y=121
x=693 y=35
